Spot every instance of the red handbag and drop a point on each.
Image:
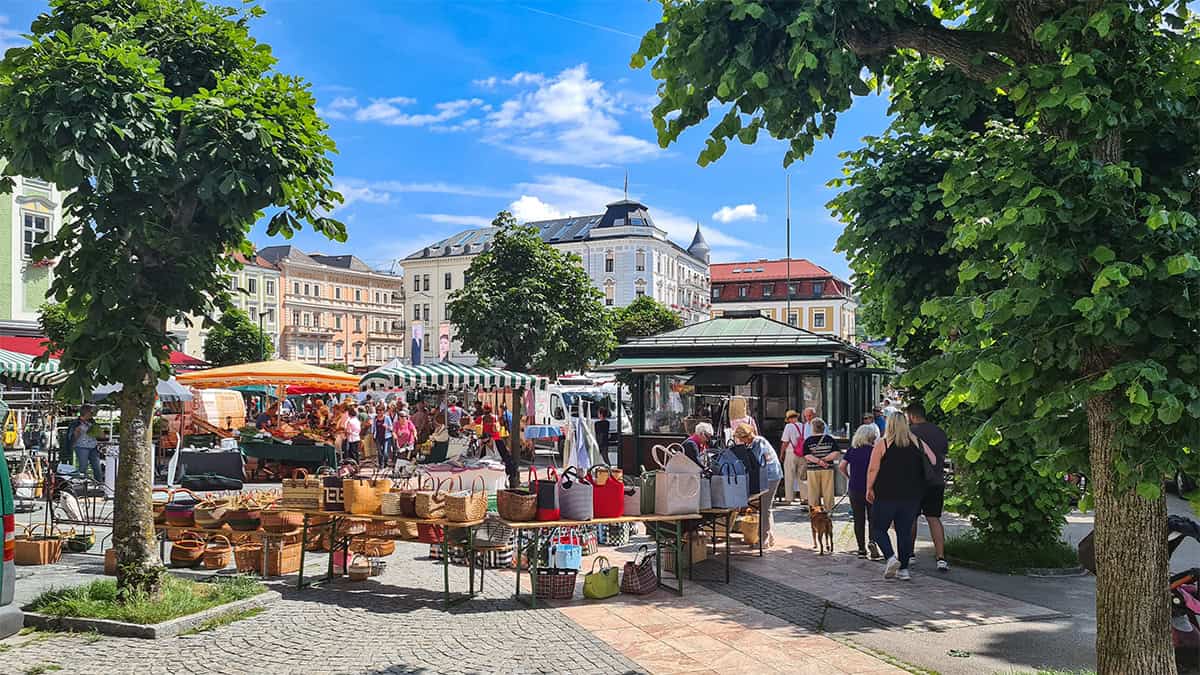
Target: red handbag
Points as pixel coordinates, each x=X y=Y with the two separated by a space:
x=430 y=534
x=608 y=500
x=547 y=494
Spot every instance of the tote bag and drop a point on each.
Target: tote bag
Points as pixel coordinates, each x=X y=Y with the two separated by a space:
x=608 y=500
x=633 y=500
x=729 y=490
x=677 y=493
x=603 y=584
x=547 y=495
x=706 y=500
x=566 y=552
x=575 y=495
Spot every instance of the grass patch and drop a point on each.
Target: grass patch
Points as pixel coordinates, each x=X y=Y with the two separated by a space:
x=41 y=668
x=179 y=597
x=1193 y=498
x=970 y=550
x=226 y=619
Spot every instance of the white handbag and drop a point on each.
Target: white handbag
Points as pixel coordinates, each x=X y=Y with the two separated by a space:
x=677 y=493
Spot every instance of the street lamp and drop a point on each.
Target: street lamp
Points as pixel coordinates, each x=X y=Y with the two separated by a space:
x=262 y=338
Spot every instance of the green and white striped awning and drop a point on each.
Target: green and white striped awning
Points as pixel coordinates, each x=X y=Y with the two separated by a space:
x=17 y=366
x=449 y=376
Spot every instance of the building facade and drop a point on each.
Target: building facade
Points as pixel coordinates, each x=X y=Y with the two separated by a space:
x=32 y=212
x=624 y=253
x=801 y=294
x=256 y=290
x=337 y=310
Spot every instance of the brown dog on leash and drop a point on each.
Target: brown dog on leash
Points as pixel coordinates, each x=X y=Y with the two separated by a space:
x=822 y=529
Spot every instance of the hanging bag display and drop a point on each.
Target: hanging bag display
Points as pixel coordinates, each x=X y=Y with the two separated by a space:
x=603 y=584
x=547 y=495
x=608 y=499
x=574 y=496
x=728 y=489
x=639 y=577
x=632 y=495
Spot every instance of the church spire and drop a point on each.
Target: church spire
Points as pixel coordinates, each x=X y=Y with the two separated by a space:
x=699 y=248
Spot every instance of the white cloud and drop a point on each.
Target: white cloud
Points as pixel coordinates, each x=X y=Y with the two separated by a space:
x=567 y=119
x=529 y=208
x=454 y=219
x=395 y=186
x=10 y=37
x=728 y=214
x=521 y=78
x=392 y=111
x=363 y=193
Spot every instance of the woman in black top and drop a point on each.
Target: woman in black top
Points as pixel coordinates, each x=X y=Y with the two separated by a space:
x=895 y=485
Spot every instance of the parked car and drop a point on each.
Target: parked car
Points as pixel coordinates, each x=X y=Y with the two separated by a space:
x=11 y=618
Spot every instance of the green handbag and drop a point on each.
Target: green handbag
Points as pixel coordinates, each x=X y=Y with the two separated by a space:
x=603 y=584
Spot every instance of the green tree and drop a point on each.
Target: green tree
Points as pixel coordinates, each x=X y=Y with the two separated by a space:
x=1071 y=209
x=168 y=125
x=530 y=305
x=234 y=339
x=642 y=317
x=56 y=324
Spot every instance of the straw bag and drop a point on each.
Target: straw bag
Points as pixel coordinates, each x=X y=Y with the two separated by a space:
x=574 y=496
x=331 y=484
x=160 y=505
x=217 y=555
x=519 y=505
x=392 y=529
x=749 y=527
x=373 y=546
x=359 y=568
x=279 y=522
x=401 y=501
x=304 y=494
x=363 y=495
x=210 y=513
x=608 y=496
x=551 y=583
x=603 y=584
x=187 y=551
x=639 y=577
x=464 y=506
x=431 y=502
x=31 y=548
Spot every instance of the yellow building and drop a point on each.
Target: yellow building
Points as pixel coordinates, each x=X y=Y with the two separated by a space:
x=801 y=294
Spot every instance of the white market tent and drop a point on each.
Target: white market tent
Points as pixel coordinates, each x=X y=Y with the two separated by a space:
x=446 y=375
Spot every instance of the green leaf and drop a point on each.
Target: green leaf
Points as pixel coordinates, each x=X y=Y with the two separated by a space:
x=1149 y=491
x=760 y=80
x=754 y=10
x=989 y=371
x=1084 y=305
x=978 y=308
x=1181 y=263
x=1100 y=22
x=1103 y=254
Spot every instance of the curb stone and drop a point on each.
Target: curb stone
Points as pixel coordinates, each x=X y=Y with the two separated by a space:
x=153 y=631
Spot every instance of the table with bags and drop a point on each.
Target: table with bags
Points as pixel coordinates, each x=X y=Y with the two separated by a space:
x=377 y=512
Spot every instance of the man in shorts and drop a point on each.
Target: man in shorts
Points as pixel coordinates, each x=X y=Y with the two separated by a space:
x=935 y=497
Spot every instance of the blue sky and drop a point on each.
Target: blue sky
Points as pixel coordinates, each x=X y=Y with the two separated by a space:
x=446 y=112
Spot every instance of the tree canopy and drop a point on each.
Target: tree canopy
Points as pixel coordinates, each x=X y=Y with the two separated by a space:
x=171 y=133
x=642 y=317
x=235 y=339
x=1048 y=150
x=530 y=305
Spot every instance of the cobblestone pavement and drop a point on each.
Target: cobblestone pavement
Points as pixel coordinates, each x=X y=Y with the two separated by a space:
x=394 y=623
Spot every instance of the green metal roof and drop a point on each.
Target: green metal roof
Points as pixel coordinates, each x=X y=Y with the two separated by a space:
x=685 y=362
x=740 y=331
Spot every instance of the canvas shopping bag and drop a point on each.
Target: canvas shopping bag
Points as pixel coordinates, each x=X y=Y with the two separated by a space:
x=729 y=490
x=677 y=493
x=575 y=496
x=603 y=584
x=566 y=552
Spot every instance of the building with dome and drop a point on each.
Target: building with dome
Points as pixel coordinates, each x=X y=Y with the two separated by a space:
x=623 y=251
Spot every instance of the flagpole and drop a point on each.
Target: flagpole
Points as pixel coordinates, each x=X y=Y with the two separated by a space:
x=788 y=290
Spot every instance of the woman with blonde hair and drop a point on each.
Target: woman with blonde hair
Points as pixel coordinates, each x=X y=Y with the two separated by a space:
x=854 y=466
x=895 y=485
x=756 y=452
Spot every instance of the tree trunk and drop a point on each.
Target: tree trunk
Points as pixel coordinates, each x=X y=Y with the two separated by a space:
x=1132 y=600
x=138 y=564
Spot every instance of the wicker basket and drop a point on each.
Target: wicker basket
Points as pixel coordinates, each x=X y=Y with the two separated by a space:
x=516 y=506
x=210 y=513
x=187 y=550
x=391 y=504
x=374 y=547
x=217 y=553
x=467 y=506
x=359 y=568
x=392 y=529
x=282 y=559
x=180 y=512
x=318 y=533
x=278 y=522
x=243 y=520
x=552 y=583
x=247 y=557
x=305 y=494
x=430 y=501
x=363 y=495
x=748 y=526
x=160 y=505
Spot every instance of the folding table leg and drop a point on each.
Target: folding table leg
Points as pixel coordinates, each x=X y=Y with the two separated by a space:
x=303 y=549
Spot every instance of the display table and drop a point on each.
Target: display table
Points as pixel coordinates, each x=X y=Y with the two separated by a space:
x=712 y=517
x=343 y=542
x=226 y=463
x=675 y=536
x=314 y=455
x=268 y=539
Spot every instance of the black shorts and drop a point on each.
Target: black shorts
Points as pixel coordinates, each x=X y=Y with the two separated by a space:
x=933 y=501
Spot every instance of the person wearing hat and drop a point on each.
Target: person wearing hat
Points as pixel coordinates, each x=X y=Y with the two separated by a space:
x=792 y=448
x=404 y=433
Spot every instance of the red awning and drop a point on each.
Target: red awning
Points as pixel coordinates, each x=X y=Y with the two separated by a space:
x=36 y=346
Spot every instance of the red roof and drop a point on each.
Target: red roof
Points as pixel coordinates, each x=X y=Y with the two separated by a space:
x=36 y=346
x=764 y=270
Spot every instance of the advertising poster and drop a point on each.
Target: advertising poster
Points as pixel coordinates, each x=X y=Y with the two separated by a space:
x=444 y=341
x=418 y=342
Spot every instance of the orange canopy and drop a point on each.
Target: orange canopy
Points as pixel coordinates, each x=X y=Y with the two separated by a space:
x=277 y=372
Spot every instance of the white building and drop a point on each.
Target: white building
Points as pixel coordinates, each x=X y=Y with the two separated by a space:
x=623 y=251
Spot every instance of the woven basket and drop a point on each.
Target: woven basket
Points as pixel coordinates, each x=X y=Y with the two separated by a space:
x=552 y=583
x=359 y=568
x=31 y=548
x=248 y=557
x=305 y=494
x=516 y=506
x=210 y=513
x=217 y=553
x=160 y=505
x=389 y=504
x=363 y=495
x=318 y=538
x=180 y=512
x=283 y=559
x=466 y=506
x=430 y=502
x=187 y=550
x=243 y=520
x=372 y=546
x=748 y=526
x=278 y=522
x=392 y=529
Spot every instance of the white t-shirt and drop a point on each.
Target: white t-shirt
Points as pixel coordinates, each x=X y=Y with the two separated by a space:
x=353 y=430
x=793 y=436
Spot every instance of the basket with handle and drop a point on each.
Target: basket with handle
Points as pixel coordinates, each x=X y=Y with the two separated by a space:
x=373 y=546
x=552 y=583
x=218 y=552
x=279 y=521
x=467 y=506
x=430 y=500
x=32 y=548
x=187 y=550
x=363 y=495
x=305 y=494
x=180 y=512
x=359 y=568
x=639 y=577
x=400 y=501
x=210 y=513
x=160 y=505
x=518 y=505
x=608 y=498
x=247 y=557
x=392 y=529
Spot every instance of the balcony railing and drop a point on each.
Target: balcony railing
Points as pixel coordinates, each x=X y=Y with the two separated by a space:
x=319 y=331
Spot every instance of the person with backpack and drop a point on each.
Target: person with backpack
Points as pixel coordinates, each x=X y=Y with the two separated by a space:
x=822 y=453
x=793 y=456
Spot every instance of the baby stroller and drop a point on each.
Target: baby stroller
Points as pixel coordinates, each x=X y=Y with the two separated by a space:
x=1185 y=596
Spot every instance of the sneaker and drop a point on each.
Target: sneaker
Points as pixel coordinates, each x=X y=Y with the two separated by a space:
x=942 y=565
x=904 y=575
x=862 y=553
x=893 y=565
x=874 y=551
x=912 y=560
